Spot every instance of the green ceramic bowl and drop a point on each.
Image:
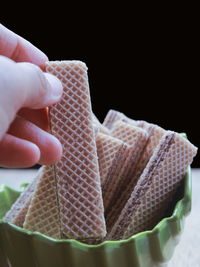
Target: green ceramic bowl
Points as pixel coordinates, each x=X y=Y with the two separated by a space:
x=22 y=248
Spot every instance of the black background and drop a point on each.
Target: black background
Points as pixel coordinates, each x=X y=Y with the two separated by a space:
x=143 y=66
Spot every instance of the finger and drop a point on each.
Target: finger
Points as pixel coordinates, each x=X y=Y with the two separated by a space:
x=18 y=153
x=24 y=85
x=18 y=49
x=50 y=147
x=37 y=116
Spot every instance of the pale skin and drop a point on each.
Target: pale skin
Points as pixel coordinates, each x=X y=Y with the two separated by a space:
x=25 y=92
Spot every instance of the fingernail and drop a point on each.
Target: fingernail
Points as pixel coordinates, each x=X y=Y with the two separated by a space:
x=55 y=84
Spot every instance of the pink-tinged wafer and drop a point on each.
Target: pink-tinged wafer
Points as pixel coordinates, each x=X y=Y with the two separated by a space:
x=110 y=151
x=77 y=173
x=98 y=127
x=43 y=212
x=155 y=187
x=155 y=133
x=136 y=139
x=18 y=211
x=113 y=116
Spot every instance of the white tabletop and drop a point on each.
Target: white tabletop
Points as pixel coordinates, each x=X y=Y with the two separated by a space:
x=187 y=253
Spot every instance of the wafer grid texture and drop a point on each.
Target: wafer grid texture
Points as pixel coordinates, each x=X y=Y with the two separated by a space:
x=77 y=173
x=136 y=139
x=135 y=166
x=127 y=132
x=18 y=211
x=113 y=116
x=109 y=150
x=99 y=127
x=43 y=212
x=155 y=133
x=155 y=187
x=115 y=180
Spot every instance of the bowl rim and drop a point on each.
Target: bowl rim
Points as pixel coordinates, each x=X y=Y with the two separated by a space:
x=176 y=214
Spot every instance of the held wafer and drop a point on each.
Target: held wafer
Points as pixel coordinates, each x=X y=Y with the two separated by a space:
x=77 y=173
x=155 y=187
x=136 y=139
x=18 y=211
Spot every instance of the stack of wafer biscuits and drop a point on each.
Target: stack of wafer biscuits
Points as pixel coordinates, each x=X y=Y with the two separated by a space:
x=114 y=179
x=154 y=133
x=155 y=187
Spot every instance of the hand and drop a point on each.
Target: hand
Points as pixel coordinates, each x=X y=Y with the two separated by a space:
x=25 y=92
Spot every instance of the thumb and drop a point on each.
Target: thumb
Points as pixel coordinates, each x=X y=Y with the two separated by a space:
x=24 y=85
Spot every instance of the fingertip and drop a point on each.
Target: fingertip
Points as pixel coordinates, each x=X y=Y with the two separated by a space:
x=52 y=153
x=59 y=149
x=56 y=86
x=33 y=155
x=41 y=61
x=39 y=89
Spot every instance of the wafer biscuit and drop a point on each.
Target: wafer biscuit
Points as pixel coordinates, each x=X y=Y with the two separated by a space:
x=136 y=139
x=77 y=173
x=43 y=212
x=155 y=187
x=18 y=211
x=110 y=151
x=155 y=133
x=98 y=127
x=113 y=116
